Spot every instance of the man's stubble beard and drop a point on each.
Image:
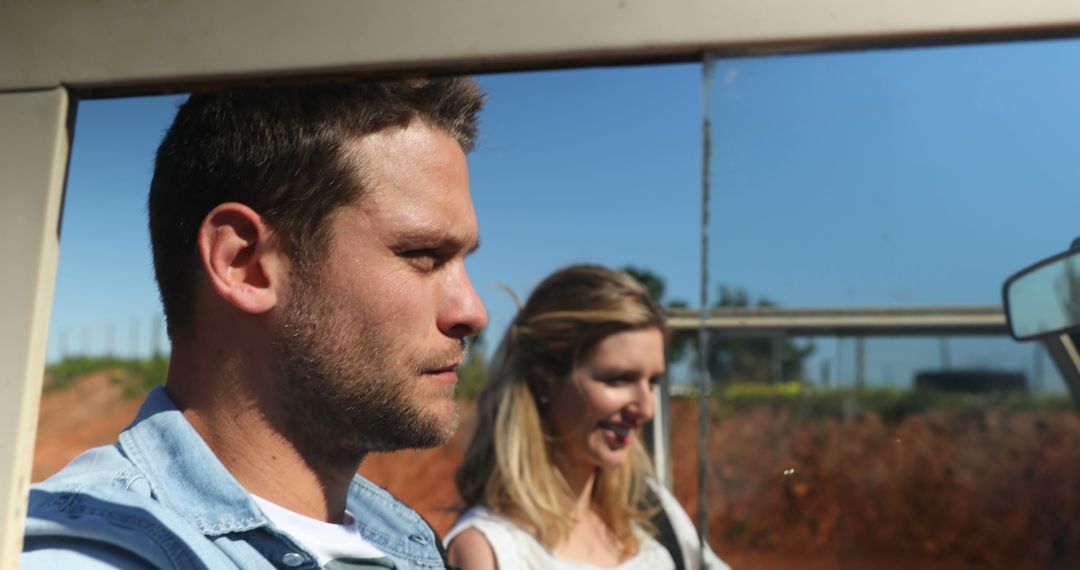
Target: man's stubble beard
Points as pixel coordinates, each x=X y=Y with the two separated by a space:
x=346 y=391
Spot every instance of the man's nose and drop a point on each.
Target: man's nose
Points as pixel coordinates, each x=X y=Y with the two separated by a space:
x=463 y=313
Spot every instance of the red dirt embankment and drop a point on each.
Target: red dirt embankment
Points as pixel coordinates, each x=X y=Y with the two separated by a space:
x=939 y=490
x=89 y=412
x=942 y=489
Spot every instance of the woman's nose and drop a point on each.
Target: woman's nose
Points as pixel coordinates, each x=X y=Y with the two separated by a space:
x=645 y=400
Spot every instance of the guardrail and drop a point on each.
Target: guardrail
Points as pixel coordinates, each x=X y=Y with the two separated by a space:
x=847 y=321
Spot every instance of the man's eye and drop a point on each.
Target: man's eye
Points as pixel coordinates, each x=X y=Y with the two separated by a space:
x=426 y=259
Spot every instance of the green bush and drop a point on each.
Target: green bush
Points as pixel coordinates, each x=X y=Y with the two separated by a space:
x=136 y=375
x=471 y=377
x=893 y=404
x=473 y=374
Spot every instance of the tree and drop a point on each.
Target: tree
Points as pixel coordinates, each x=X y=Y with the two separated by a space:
x=653 y=282
x=730 y=359
x=676 y=346
x=751 y=359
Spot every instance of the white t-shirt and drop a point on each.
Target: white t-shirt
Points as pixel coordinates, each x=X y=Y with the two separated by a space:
x=336 y=546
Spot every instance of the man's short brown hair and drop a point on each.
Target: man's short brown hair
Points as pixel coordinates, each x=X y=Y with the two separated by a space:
x=282 y=152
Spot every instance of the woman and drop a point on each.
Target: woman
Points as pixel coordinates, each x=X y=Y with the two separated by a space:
x=555 y=476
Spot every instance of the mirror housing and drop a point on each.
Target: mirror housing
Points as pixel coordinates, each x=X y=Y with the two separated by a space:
x=1044 y=299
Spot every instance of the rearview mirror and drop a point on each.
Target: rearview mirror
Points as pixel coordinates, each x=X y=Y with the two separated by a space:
x=1044 y=299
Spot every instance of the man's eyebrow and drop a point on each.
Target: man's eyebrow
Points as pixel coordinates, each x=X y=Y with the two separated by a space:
x=435 y=235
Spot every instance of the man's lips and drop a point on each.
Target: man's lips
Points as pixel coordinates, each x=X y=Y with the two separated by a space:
x=448 y=368
x=446 y=373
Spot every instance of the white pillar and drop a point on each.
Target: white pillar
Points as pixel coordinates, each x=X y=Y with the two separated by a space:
x=34 y=144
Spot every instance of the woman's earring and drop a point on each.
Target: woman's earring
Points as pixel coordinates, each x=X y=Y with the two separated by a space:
x=542 y=399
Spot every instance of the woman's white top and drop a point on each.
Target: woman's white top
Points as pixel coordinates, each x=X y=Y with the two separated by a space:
x=515 y=547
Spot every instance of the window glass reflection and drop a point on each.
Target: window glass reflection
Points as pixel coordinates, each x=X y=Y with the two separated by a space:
x=900 y=178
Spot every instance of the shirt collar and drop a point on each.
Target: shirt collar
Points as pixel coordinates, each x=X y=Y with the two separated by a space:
x=183 y=473
x=186 y=477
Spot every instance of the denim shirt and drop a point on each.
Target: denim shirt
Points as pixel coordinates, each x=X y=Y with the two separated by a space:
x=159 y=498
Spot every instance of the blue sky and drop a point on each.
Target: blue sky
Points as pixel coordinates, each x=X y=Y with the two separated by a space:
x=911 y=177
x=599 y=165
x=901 y=177
x=904 y=177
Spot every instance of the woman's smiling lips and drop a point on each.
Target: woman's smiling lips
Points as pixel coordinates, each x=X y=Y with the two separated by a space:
x=617 y=432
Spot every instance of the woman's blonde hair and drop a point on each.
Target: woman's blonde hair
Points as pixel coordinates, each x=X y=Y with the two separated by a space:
x=508 y=466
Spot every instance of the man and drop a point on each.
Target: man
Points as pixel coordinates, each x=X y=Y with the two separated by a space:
x=309 y=247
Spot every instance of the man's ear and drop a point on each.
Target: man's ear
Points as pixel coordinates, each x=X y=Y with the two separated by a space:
x=242 y=263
